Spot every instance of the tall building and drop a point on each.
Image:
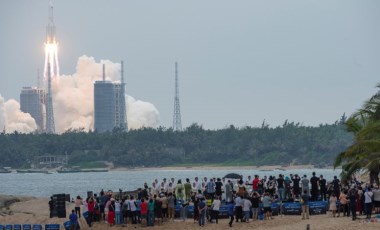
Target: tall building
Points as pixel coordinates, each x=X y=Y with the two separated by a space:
x=32 y=101
x=108 y=108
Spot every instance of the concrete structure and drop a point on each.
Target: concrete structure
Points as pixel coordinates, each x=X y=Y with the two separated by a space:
x=32 y=100
x=108 y=107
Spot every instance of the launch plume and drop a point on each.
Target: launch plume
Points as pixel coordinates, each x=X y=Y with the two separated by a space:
x=74 y=98
x=13 y=119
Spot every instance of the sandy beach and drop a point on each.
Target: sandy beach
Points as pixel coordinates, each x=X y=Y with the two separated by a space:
x=19 y=210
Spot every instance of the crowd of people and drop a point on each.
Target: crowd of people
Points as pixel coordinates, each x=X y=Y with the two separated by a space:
x=246 y=200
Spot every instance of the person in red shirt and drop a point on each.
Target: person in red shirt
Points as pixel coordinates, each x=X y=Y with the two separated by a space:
x=255 y=183
x=91 y=207
x=144 y=211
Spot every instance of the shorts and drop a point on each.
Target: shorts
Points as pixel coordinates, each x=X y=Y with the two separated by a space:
x=267 y=209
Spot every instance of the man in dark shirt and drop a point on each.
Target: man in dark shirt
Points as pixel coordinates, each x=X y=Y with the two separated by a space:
x=296 y=184
x=336 y=185
x=322 y=187
x=51 y=206
x=314 y=187
x=280 y=187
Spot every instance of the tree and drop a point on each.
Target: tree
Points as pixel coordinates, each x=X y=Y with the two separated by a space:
x=364 y=153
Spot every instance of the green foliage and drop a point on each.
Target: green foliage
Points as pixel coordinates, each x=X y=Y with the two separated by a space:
x=364 y=154
x=283 y=145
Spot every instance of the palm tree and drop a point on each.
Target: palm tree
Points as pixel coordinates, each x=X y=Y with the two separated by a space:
x=364 y=153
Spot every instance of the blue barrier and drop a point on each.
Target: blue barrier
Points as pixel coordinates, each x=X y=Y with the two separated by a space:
x=17 y=227
x=66 y=225
x=37 y=227
x=318 y=207
x=26 y=227
x=52 y=227
x=8 y=227
x=85 y=215
x=291 y=208
x=287 y=208
x=2 y=227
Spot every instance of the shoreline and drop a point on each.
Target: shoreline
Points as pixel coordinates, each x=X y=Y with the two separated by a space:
x=216 y=167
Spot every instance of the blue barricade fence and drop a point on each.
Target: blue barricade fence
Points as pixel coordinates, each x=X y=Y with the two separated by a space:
x=37 y=227
x=26 y=227
x=17 y=227
x=52 y=227
x=8 y=227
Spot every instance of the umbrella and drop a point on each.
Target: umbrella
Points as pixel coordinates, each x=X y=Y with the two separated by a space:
x=233 y=176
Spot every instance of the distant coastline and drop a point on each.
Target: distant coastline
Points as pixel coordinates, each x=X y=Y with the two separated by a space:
x=218 y=167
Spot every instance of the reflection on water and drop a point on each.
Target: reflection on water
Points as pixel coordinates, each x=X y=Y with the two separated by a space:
x=44 y=185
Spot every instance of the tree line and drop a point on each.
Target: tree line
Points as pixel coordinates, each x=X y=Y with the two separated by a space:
x=291 y=143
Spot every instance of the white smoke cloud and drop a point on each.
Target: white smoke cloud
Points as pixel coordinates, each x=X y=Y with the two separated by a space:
x=73 y=98
x=141 y=114
x=13 y=119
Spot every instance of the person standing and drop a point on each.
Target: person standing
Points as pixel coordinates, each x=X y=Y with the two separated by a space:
x=179 y=190
x=305 y=204
x=73 y=220
x=202 y=212
x=247 y=209
x=296 y=185
x=281 y=187
x=368 y=202
x=314 y=181
x=187 y=190
x=211 y=188
x=51 y=206
x=171 y=204
x=322 y=187
x=239 y=208
x=376 y=199
x=230 y=208
x=333 y=206
x=305 y=185
x=336 y=186
x=255 y=200
x=111 y=213
x=144 y=211
x=352 y=198
x=215 y=209
x=218 y=187
x=151 y=212
x=267 y=201
x=118 y=214
x=78 y=203
x=228 y=189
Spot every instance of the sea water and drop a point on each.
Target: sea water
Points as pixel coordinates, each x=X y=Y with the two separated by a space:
x=44 y=185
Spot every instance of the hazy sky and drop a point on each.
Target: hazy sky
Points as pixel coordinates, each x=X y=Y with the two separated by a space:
x=240 y=62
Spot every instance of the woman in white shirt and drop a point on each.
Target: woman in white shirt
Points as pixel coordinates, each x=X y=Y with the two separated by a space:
x=215 y=209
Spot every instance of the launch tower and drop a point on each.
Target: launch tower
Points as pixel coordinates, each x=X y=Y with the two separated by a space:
x=123 y=106
x=51 y=69
x=177 y=124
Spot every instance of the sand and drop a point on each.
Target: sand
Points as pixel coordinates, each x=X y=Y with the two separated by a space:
x=35 y=211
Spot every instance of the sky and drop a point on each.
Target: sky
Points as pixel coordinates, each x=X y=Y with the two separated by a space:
x=240 y=62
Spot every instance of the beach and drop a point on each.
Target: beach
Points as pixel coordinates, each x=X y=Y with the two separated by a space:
x=31 y=210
